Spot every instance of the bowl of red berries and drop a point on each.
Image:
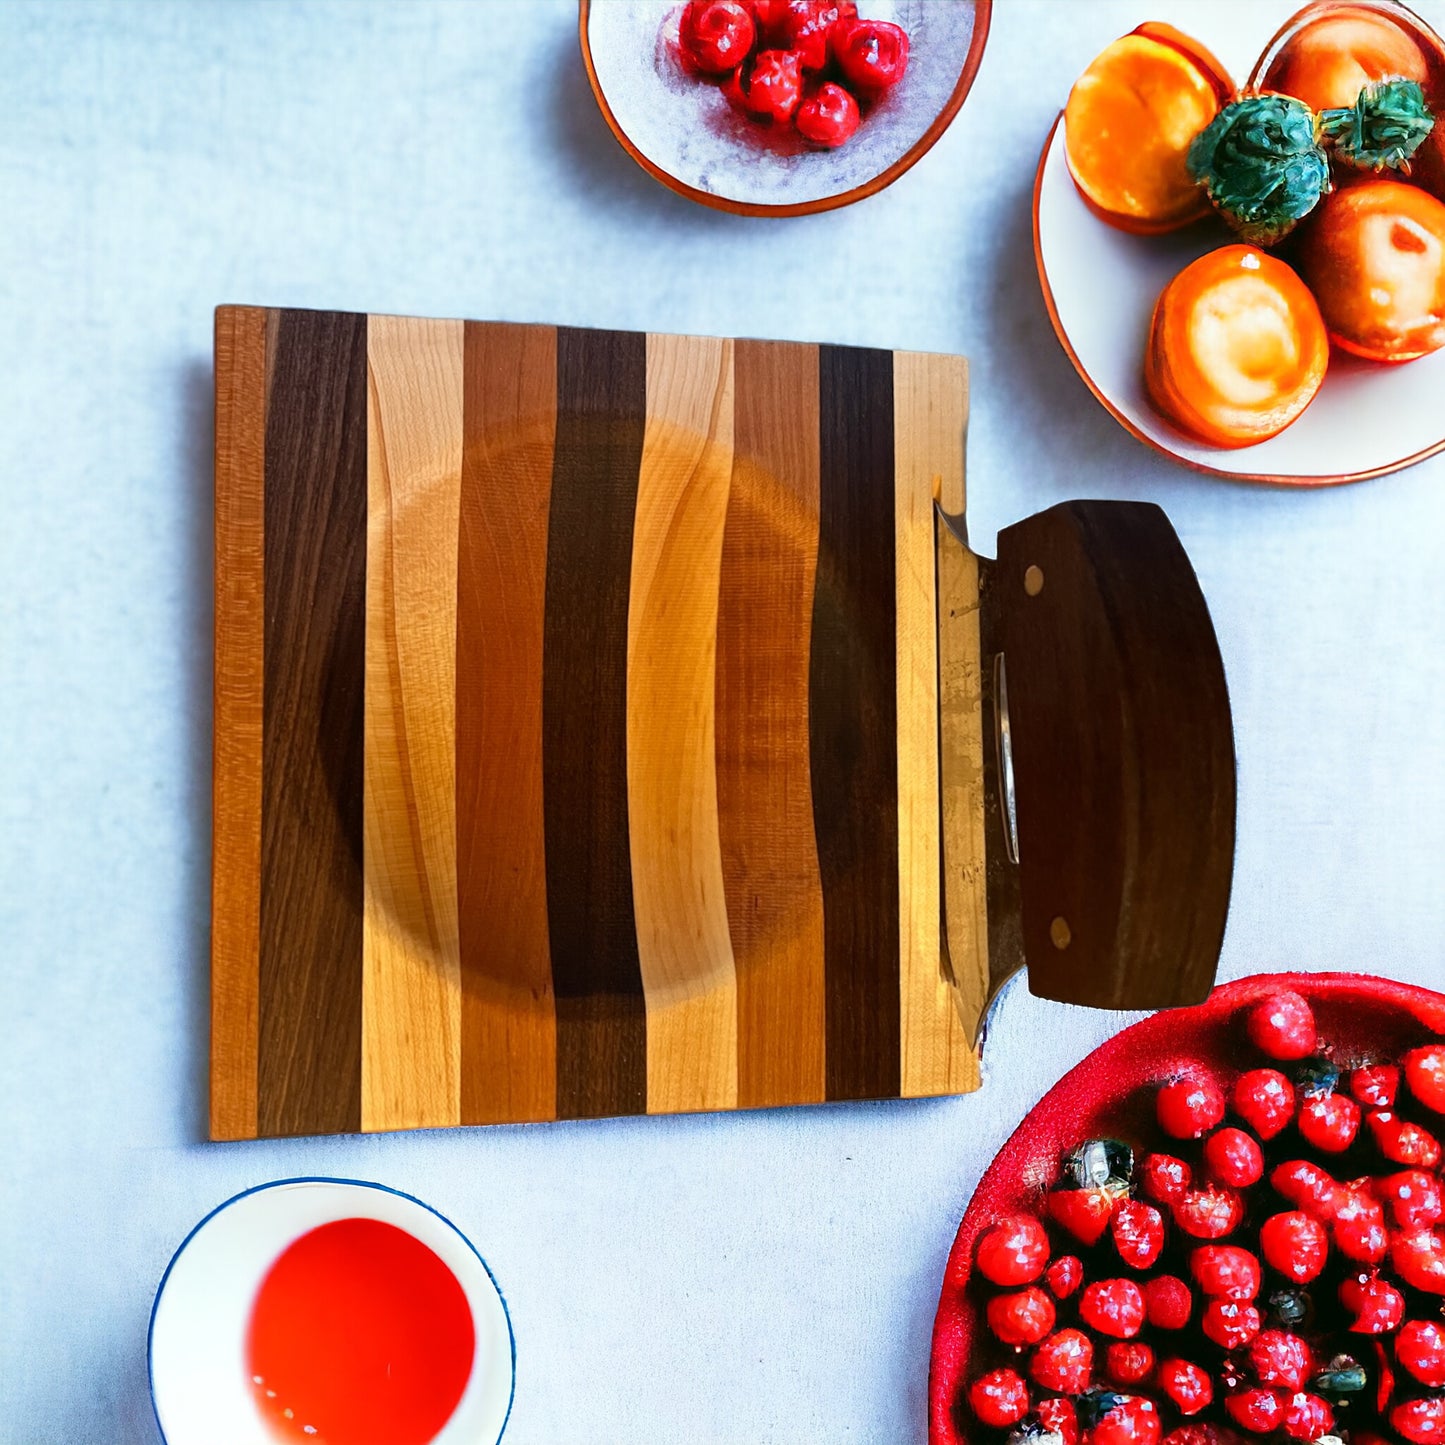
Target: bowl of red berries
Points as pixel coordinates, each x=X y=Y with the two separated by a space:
x=1227 y=1223
x=780 y=107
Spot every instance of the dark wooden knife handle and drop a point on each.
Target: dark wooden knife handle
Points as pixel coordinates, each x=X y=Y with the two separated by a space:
x=1123 y=756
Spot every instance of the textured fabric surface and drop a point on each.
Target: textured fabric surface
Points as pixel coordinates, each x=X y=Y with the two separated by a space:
x=767 y=1277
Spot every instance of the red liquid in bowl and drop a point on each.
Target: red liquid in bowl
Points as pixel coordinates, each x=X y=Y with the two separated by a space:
x=359 y=1335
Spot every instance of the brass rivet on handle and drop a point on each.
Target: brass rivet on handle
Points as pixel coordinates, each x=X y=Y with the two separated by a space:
x=1060 y=933
x=1034 y=581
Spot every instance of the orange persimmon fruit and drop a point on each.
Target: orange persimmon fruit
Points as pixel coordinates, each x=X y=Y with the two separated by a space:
x=1374 y=256
x=1331 y=57
x=1128 y=123
x=1237 y=348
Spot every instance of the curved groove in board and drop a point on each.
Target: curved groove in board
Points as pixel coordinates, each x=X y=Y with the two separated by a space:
x=509 y=1029
x=411 y=987
x=765 y=806
x=930 y=406
x=684 y=949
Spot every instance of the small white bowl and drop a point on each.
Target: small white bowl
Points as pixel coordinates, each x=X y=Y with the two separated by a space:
x=1100 y=285
x=681 y=129
x=202 y=1308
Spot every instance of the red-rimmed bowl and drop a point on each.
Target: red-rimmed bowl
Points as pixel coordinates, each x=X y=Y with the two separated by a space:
x=1360 y=1016
x=1100 y=284
x=682 y=131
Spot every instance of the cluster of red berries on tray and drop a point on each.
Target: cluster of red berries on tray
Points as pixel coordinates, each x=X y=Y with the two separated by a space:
x=812 y=64
x=1272 y=1262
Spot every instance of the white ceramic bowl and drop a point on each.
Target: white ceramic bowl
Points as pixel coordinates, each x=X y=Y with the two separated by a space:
x=1100 y=285
x=681 y=129
x=202 y=1308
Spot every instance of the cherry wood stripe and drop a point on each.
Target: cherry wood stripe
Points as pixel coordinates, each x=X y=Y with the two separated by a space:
x=411 y=986
x=311 y=814
x=509 y=1031
x=765 y=806
x=852 y=721
x=684 y=950
x=930 y=409
x=236 y=774
x=596 y=974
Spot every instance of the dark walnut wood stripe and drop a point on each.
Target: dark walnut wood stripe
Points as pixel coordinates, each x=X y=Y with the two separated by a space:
x=765 y=807
x=852 y=721
x=596 y=974
x=311 y=818
x=509 y=1034
x=236 y=780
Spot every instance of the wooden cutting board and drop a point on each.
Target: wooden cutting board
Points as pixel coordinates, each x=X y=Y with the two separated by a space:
x=576 y=724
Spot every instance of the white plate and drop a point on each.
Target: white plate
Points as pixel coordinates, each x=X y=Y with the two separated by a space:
x=682 y=129
x=1100 y=285
x=202 y=1308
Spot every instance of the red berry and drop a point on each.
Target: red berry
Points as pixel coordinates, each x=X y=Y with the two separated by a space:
x=1209 y=1213
x=1420 y=1348
x=1189 y=1387
x=1307 y=1417
x=1307 y=1187
x=1113 y=1307
x=1192 y=1435
x=872 y=54
x=1165 y=1178
x=1013 y=1251
x=1264 y=1099
x=1224 y=1271
x=1064 y=1275
x=716 y=35
x=1084 y=1213
x=1377 y=1305
x=1402 y=1142
x=1138 y=1231
x=1258 y=1409
x=1133 y=1421
x=1167 y=1302
x=1359 y=1225
x=1282 y=1026
x=1294 y=1244
x=1413 y=1197
x=770 y=87
x=1128 y=1362
x=829 y=117
x=1189 y=1108
x=1425 y=1075
x=999 y=1397
x=1233 y=1158
x=1023 y=1318
x=1329 y=1122
x=1375 y=1085
x=1418 y=1256
x=771 y=16
x=1231 y=1324
x=1280 y=1358
x=1058 y=1415
x=1420 y=1421
x=1063 y=1362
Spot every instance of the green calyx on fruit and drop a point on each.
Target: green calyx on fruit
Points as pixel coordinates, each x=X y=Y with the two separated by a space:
x=1262 y=165
x=1382 y=129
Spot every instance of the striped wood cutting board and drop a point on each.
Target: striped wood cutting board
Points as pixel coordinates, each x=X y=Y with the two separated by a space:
x=576 y=724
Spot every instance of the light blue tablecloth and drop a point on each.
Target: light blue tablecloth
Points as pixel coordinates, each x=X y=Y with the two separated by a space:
x=751 y=1278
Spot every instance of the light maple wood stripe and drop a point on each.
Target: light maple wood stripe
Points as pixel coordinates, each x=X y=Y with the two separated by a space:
x=930 y=402
x=677 y=881
x=411 y=985
x=509 y=1025
x=239 y=687
x=765 y=799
